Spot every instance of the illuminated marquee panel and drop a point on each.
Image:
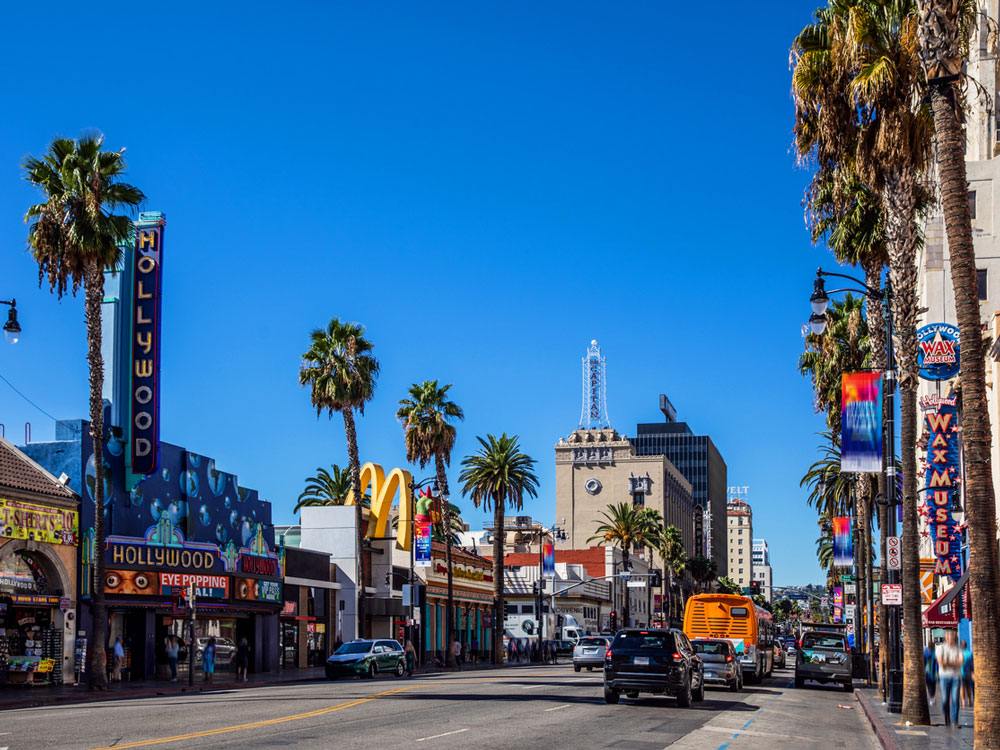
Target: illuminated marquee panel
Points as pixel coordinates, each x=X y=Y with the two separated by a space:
x=144 y=417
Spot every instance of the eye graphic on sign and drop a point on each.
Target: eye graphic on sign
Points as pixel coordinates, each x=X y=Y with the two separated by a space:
x=129 y=582
x=592 y=485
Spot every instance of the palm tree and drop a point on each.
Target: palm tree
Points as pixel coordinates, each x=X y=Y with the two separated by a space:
x=944 y=28
x=728 y=586
x=628 y=526
x=674 y=559
x=702 y=570
x=340 y=370
x=326 y=488
x=426 y=417
x=498 y=475
x=75 y=236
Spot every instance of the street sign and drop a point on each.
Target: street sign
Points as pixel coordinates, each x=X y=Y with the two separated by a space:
x=850 y=588
x=846 y=578
x=636 y=584
x=892 y=594
x=893 y=557
x=825 y=602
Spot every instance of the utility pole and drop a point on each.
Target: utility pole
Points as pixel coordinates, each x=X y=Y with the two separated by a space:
x=191 y=644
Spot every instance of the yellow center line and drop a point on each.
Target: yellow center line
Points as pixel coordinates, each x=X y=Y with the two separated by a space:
x=308 y=714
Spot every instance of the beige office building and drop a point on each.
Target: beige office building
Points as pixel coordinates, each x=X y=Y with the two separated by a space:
x=739 y=524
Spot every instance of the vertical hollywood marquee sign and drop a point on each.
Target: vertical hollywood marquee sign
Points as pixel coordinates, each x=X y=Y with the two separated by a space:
x=941 y=476
x=144 y=416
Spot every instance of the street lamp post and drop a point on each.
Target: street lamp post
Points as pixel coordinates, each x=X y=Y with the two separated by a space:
x=817 y=324
x=411 y=629
x=11 y=329
x=557 y=533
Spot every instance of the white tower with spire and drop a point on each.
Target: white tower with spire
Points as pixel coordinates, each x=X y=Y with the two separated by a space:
x=594 y=415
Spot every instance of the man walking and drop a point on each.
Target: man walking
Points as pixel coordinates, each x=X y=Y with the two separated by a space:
x=949 y=659
x=119 y=660
x=173 y=649
x=456 y=650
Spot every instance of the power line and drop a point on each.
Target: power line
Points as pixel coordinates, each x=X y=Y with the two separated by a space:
x=13 y=388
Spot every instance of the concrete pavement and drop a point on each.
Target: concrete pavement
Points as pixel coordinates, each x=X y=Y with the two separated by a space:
x=545 y=707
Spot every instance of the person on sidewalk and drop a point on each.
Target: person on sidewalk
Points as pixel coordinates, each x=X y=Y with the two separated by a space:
x=930 y=671
x=411 y=657
x=968 y=688
x=118 y=663
x=474 y=652
x=208 y=661
x=456 y=650
x=173 y=650
x=949 y=661
x=242 y=659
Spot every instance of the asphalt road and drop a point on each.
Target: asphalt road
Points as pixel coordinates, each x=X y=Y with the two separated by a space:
x=521 y=707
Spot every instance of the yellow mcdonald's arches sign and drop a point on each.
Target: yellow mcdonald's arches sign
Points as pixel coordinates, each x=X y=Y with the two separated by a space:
x=383 y=490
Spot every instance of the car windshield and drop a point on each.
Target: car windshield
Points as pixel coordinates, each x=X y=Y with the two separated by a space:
x=591 y=642
x=710 y=647
x=822 y=640
x=639 y=639
x=354 y=648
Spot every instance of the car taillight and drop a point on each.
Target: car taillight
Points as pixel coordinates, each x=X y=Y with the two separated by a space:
x=677 y=656
x=729 y=658
x=608 y=654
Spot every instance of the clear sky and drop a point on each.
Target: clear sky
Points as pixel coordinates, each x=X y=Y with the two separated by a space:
x=486 y=187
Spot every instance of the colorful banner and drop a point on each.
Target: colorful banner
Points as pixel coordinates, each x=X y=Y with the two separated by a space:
x=205 y=586
x=861 y=423
x=422 y=553
x=39 y=523
x=938 y=351
x=548 y=560
x=843 y=543
x=942 y=476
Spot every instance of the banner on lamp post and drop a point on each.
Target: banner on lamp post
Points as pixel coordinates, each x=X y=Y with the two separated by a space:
x=861 y=423
x=843 y=544
x=548 y=560
x=422 y=549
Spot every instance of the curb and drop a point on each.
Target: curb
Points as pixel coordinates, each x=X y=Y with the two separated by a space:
x=885 y=737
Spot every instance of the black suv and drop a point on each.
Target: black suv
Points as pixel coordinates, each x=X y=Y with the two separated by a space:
x=653 y=661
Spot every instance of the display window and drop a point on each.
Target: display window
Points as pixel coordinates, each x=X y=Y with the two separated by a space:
x=225 y=630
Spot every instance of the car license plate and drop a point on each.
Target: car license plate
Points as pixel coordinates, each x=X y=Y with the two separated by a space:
x=590 y=651
x=641 y=660
x=710 y=675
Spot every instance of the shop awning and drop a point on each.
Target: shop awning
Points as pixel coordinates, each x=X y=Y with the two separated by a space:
x=943 y=611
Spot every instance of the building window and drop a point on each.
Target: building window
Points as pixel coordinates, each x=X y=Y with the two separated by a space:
x=972 y=204
x=981 y=283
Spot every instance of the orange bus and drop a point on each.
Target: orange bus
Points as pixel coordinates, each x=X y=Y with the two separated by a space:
x=736 y=618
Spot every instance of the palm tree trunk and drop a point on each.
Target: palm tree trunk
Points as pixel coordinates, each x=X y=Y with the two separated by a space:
x=93 y=297
x=901 y=238
x=625 y=604
x=666 y=595
x=498 y=615
x=980 y=501
x=883 y=610
x=352 y=457
x=442 y=481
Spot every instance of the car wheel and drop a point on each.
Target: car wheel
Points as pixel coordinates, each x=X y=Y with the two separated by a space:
x=800 y=682
x=400 y=669
x=734 y=686
x=699 y=694
x=848 y=687
x=684 y=696
x=576 y=667
x=371 y=671
x=590 y=669
x=611 y=696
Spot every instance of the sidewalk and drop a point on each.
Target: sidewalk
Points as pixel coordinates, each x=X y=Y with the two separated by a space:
x=41 y=695
x=894 y=736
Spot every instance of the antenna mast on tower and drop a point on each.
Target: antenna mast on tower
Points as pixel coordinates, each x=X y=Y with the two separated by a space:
x=594 y=415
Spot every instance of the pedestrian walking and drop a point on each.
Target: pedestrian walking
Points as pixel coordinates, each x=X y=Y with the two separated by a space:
x=930 y=671
x=173 y=650
x=456 y=650
x=242 y=659
x=474 y=653
x=411 y=657
x=117 y=659
x=208 y=661
x=968 y=688
x=949 y=661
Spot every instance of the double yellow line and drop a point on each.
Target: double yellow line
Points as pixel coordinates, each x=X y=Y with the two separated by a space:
x=307 y=715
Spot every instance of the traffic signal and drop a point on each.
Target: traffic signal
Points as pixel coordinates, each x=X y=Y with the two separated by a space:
x=754 y=588
x=656 y=579
x=559 y=621
x=614 y=622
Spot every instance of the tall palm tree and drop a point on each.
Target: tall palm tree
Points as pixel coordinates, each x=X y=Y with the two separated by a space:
x=327 y=488
x=944 y=28
x=341 y=370
x=625 y=525
x=76 y=234
x=498 y=475
x=703 y=570
x=674 y=558
x=426 y=417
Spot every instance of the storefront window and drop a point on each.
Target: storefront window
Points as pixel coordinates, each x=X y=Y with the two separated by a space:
x=225 y=631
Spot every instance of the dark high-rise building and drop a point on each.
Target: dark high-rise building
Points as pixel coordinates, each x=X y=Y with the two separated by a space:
x=702 y=465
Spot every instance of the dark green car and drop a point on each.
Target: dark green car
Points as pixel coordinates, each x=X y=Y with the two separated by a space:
x=366 y=658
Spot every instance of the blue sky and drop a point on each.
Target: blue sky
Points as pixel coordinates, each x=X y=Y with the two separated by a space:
x=487 y=187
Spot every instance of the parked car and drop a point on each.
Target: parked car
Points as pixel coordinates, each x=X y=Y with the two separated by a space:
x=779 y=656
x=589 y=652
x=824 y=657
x=224 y=650
x=721 y=664
x=366 y=658
x=653 y=661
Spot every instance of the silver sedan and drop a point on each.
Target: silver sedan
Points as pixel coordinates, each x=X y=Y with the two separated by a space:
x=589 y=652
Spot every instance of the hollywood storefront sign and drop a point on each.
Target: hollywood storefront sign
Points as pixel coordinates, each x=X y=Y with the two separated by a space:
x=144 y=412
x=39 y=523
x=938 y=351
x=941 y=479
x=206 y=586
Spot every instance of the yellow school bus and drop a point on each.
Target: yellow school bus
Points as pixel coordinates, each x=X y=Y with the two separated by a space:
x=734 y=617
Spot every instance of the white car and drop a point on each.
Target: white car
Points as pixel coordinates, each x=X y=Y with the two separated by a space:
x=589 y=652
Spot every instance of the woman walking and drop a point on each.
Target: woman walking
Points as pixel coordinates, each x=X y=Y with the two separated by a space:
x=208 y=661
x=242 y=659
x=173 y=649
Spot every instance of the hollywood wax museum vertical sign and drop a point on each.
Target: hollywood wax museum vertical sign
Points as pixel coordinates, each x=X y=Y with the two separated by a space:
x=942 y=478
x=144 y=417
x=861 y=423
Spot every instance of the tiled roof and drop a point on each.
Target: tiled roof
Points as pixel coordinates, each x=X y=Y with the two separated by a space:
x=18 y=472
x=591 y=559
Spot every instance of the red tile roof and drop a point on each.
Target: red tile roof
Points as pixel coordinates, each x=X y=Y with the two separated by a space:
x=591 y=559
x=18 y=472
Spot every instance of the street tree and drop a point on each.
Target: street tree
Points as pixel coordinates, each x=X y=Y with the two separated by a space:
x=703 y=570
x=76 y=235
x=340 y=371
x=327 y=488
x=628 y=526
x=497 y=476
x=427 y=417
x=674 y=558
